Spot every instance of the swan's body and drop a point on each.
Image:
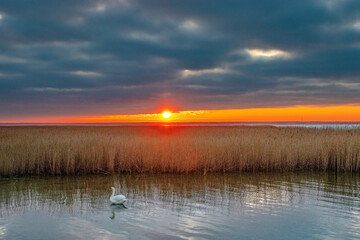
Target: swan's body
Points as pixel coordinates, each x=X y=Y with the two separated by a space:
x=117 y=199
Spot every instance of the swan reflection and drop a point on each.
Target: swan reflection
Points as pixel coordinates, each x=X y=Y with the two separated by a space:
x=116 y=208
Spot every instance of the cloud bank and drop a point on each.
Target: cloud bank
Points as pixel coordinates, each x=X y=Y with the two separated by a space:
x=93 y=57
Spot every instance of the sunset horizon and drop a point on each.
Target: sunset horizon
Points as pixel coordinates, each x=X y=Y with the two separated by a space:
x=345 y=113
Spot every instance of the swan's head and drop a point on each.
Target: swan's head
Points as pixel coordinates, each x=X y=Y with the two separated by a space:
x=112 y=188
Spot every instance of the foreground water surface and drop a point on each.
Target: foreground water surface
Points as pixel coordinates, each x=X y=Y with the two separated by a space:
x=219 y=206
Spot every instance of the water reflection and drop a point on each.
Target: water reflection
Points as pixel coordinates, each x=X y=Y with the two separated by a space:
x=116 y=208
x=214 y=206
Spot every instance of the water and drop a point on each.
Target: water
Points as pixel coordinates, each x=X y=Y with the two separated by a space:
x=329 y=125
x=219 y=206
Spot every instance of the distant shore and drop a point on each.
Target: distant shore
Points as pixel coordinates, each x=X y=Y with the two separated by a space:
x=80 y=150
x=311 y=124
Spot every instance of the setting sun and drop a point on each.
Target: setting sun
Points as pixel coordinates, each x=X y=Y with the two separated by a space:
x=166 y=114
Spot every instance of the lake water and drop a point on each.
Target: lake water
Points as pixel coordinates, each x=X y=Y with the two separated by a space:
x=329 y=125
x=219 y=206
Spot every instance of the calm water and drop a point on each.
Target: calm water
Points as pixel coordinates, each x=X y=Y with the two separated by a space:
x=330 y=125
x=231 y=206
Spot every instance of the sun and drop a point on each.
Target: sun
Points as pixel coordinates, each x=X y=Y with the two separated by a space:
x=166 y=114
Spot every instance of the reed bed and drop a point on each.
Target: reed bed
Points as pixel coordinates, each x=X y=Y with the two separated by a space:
x=160 y=149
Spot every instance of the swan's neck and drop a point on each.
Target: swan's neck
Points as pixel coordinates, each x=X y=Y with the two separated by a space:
x=113 y=192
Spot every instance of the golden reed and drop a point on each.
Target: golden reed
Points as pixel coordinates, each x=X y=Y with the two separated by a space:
x=161 y=149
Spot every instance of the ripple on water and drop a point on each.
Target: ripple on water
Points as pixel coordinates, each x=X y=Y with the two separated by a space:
x=218 y=206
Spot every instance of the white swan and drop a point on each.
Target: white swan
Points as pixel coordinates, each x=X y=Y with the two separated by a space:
x=118 y=199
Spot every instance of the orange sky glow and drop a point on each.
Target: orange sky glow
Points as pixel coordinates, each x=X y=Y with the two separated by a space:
x=299 y=113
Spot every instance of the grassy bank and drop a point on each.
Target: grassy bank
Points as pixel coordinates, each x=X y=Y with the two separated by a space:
x=90 y=150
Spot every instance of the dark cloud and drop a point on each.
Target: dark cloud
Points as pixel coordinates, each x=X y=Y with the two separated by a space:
x=120 y=56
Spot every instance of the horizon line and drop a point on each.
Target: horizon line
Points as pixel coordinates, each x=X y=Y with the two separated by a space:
x=177 y=123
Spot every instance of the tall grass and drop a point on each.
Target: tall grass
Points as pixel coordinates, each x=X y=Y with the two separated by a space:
x=90 y=150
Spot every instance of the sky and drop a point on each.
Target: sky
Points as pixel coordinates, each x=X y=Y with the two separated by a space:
x=114 y=60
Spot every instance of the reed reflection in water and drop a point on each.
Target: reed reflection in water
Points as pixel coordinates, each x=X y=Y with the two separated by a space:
x=214 y=206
